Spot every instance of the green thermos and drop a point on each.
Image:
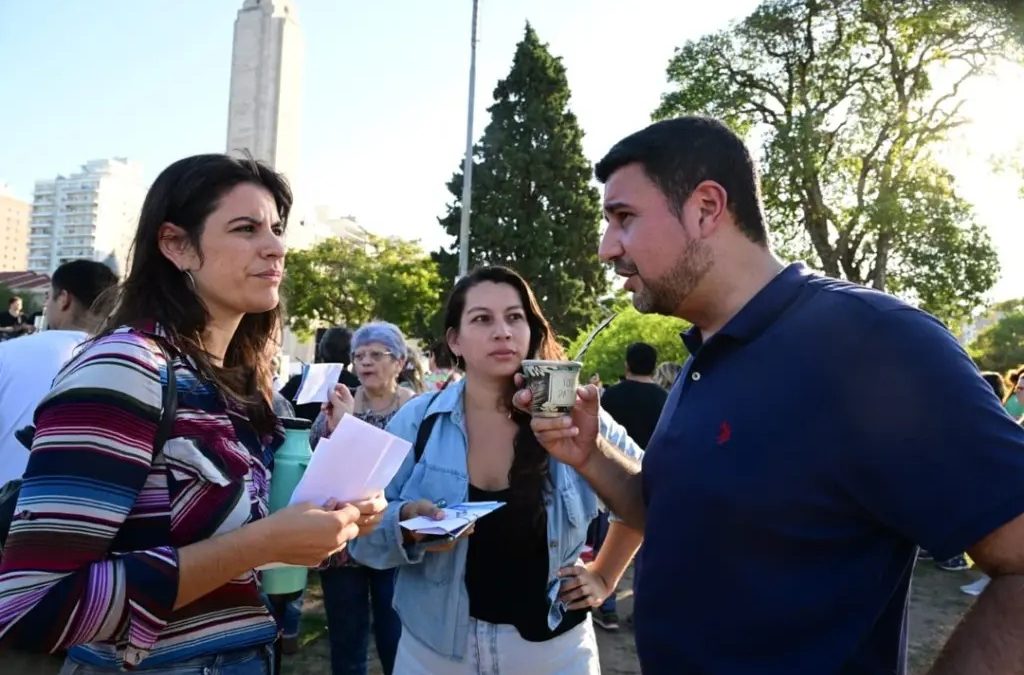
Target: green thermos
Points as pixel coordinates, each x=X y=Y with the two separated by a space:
x=290 y=462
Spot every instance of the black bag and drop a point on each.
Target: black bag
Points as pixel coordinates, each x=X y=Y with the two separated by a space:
x=12 y=488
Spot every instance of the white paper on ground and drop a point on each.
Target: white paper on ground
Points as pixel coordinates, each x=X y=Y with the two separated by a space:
x=353 y=463
x=318 y=379
x=456 y=518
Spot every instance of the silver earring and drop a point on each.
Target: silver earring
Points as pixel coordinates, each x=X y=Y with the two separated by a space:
x=189 y=280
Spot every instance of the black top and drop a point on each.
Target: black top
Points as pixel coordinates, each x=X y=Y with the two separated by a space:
x=507 y=571
x=636 y=406
x=309 y=411
x=7 y=320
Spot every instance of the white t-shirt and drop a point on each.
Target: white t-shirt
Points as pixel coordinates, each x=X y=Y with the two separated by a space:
x=28 y=365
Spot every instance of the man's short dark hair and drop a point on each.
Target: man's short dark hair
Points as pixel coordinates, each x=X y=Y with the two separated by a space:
x=335 y=346
x=641 y=358
x=14 y=299
x=679 y=154
x=84 y=280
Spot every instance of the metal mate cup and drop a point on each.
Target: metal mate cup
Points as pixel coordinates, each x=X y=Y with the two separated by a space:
x=553 y=385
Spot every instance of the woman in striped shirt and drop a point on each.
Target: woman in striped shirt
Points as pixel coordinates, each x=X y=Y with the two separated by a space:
x=143 y=558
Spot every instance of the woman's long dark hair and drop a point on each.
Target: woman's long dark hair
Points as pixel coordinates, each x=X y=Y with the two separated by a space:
x=529 y=476
x=185 y=194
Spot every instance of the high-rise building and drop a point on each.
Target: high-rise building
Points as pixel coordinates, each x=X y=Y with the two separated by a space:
x=266 y=87
x=14 y=217
x=92 y=214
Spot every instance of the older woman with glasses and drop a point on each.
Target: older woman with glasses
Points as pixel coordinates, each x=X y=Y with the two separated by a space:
x=378 y=357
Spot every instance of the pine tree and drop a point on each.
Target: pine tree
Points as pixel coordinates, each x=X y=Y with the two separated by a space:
x=533 y=207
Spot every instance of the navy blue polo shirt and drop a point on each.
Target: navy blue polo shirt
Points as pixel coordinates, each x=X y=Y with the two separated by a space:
x=804 y=452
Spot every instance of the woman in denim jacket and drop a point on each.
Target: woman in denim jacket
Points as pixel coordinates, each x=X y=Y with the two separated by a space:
x=510 y=597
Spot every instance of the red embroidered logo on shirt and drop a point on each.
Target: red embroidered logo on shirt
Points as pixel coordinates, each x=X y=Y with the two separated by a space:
x=724 y=433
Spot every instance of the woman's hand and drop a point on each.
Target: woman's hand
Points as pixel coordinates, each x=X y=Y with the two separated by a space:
x=425 y=507
x=305 y=534
x=371 y=513
x=582 y=587
x=340 y=402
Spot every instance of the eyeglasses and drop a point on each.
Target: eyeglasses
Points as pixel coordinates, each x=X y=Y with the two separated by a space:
x=374 y=355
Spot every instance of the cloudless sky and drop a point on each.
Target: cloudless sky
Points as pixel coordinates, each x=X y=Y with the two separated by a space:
x=384 y=94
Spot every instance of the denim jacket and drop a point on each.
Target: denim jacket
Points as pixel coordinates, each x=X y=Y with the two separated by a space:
x=430 y=590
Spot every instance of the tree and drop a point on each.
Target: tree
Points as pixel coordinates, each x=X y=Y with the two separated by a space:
x=607 y=353
x=1001 y=346
x=533 y=206
x=850 y=99
x=338 y=282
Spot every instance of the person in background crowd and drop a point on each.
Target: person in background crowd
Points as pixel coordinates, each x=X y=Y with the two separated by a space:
x=350 y=589
x=12 y=322
x=28 y=365
x=335 y=346
x=636 y=404
x=809 y=480
x=1012 y=402
x=138 y=531
x=27 y=368
x=441 y=371
x=413 y=376
x=511 y=596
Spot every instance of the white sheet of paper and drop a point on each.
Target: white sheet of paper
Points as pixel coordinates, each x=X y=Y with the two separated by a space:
x=317 y=382
x=353 y=463
x=455 y=518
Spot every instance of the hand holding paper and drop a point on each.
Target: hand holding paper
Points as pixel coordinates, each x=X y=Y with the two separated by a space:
x=456 y=519
x=352 y=464
x=318 y=379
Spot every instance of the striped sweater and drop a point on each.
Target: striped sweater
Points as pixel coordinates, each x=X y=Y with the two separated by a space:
x=91 y=561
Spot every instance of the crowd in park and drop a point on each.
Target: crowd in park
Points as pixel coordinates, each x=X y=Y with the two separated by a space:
x=779 y=497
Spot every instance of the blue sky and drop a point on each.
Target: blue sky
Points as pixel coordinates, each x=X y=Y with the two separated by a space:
x=384 y=95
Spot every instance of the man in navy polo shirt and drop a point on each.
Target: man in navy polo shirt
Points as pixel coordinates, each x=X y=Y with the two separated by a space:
x=808 y=447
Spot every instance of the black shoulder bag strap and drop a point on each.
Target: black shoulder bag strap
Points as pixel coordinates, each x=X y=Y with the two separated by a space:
x=423 y=433
x=170 y=406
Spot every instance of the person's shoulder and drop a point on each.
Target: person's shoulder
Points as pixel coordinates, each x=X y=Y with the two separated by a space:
x=614 y=391
x=874 y=312
x=113 y=359
x=47 y=346
x=827 y=291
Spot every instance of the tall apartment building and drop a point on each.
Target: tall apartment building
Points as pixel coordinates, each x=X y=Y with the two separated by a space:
x=14 y=217
x=91 y=214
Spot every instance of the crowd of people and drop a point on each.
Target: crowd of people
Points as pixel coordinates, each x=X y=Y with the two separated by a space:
x=781 y=496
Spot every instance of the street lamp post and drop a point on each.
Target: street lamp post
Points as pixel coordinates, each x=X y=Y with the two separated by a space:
x=467 y=164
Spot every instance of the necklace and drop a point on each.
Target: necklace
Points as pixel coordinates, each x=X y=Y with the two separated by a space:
x=367 y=405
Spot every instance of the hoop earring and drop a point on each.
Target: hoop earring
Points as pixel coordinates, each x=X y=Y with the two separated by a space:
x=190 y=281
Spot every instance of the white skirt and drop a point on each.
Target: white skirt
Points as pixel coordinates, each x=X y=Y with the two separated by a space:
x=497 y=649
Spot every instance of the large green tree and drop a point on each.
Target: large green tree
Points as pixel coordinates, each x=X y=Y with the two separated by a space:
x=1000 y=347
x=533 y=207
x=849 y=100
x=607 y=353
x=339 y=282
